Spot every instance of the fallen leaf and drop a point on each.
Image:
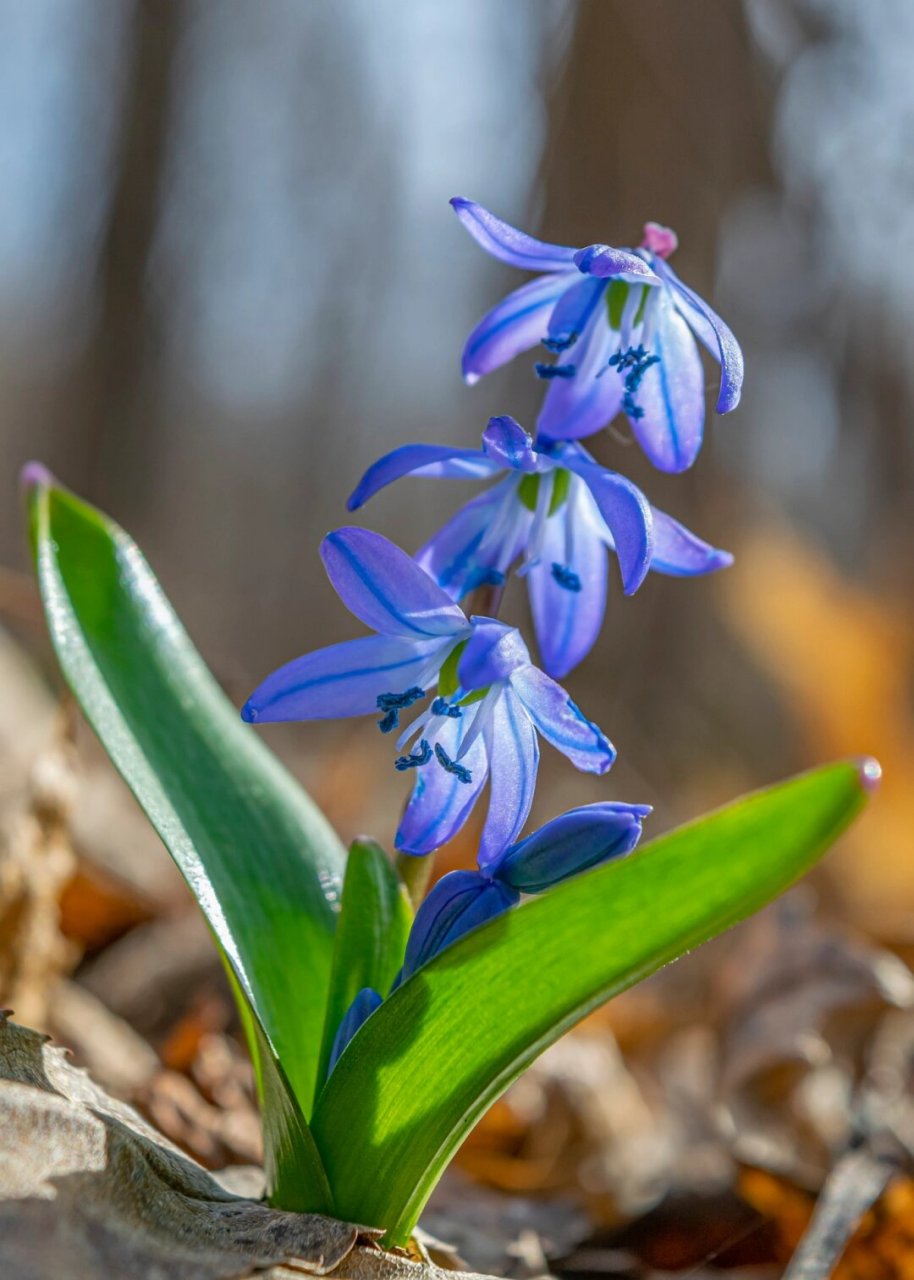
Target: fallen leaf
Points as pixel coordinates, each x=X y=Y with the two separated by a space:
x=88 y=1189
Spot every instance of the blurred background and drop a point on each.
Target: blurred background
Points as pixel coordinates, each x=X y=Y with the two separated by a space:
x=229 y=279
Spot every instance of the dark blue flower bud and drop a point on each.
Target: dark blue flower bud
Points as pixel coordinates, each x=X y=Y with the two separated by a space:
x=362 y=1007
x=458 y=903
x=574 y=842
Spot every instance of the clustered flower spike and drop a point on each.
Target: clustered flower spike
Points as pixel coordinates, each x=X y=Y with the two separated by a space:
x=622 y=327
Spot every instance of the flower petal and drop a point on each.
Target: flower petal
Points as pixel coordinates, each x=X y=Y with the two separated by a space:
x=508 y=244
x=627 y=514
x=671 y=394
x=681 y=553
x=507 y=443
x=566 y=846
x=361 y=1009
x=452 y=555
x=441 y=803
x=573 y=311
x=516 y=324
x=494 y=651
x=579 y=406
x=561 y=722
x=514 y=756
x=603 y=261
x=385 y=587
x=344 y=679
x=567 y=622
x=459 y=902
x=714 y=334
x=437 y=461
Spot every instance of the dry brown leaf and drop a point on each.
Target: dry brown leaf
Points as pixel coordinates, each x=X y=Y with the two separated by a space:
x=36 y=863
x=88 y=1189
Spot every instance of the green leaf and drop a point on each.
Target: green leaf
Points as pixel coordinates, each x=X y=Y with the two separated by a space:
x=426 y=1065
x=375 y=918
x=259 y=857
x=295 y=1176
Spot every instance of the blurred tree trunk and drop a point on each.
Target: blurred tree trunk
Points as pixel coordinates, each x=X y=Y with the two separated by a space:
x=120 y=405
x=660 y=113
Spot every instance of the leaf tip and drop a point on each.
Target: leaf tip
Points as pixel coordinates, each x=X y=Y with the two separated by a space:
x=35 y=475
x=869 y=770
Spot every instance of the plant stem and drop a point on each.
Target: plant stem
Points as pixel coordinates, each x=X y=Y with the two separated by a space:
x=415 y=874
x=485 y=600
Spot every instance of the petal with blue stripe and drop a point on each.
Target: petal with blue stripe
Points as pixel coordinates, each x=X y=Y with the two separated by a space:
x=383 y=586
x=441 y=801
x=561 y=722
x=566 y=617
x=714 y=334
x=514 y=755
x=682 y=554
x=669 y=417
x=345 y=679
x=507 y=243
x=516 y=324
x=434 y=461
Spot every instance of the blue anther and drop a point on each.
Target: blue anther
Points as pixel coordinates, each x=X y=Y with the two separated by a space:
x=634 y=363
x=441 y=707
x=393 y=703
x=550 y=371
x=566 y=577
x=560 y=344
x=416 y=759
x=460 y=772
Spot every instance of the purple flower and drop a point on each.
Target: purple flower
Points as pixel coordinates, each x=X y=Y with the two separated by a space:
x=556 y=507
x=491 y=703
x=622 y=326
x=575 y=842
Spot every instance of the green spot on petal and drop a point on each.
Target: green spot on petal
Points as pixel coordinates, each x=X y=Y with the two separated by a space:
x=528 y=491
x=616 y=296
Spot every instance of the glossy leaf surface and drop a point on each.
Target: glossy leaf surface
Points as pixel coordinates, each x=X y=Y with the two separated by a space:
x=375 y=917
x=259 y=857
x=423 y=1069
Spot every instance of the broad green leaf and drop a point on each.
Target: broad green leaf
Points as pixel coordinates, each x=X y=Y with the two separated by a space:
x=295 y=1176
x=426 y=1065
x=259 y=857
x=375 y=916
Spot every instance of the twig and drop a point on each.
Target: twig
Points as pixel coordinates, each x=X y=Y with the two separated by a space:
x=853 y=1186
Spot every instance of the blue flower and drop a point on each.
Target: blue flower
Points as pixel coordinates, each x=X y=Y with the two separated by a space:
x=622 y=326
x=361 y=1009
x=556 y=507
x=575 y=842
x=490 y=707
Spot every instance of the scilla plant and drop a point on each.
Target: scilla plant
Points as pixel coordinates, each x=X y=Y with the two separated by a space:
x=383 y=1022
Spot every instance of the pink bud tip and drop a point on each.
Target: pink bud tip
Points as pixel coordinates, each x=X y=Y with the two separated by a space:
x=870 y=771
x=659 y=239
x=34 y=474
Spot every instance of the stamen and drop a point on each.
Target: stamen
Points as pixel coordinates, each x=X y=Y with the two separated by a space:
x=560 y=344
x=549 y=371
x=634 y=363
x=393 y=703
x=415 y=759
x=566 y=577
x=441 y=707
x=460 y=772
